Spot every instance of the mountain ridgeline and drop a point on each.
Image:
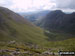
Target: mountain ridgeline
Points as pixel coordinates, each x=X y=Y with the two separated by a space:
x=58 y=21
x=34 y=16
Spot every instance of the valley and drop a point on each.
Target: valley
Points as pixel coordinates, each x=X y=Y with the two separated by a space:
x=45 y=36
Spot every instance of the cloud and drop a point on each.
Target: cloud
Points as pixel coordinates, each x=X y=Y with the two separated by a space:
x=65 y=4
x=33 y=5
x=27 y=5
x=5 y=3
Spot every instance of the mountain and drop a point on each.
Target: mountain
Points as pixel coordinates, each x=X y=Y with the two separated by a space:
x=58 y=21
x=30 y=40
x=15 y=27
x=34 y=16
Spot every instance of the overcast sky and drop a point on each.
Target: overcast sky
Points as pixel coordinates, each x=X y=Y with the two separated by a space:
x=33 y=5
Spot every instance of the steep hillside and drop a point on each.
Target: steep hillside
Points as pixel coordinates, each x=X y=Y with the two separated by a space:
x=15 y=27
x=58 y=21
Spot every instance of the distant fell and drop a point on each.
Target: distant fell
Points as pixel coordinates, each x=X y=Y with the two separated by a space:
x=58 y=21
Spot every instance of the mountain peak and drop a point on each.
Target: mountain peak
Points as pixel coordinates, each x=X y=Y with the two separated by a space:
x=58 y=12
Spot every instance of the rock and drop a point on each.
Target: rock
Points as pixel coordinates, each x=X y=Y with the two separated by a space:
x=12 y=42
x=47 y=53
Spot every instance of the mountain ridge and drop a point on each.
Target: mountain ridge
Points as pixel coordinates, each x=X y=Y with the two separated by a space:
x=58 y=20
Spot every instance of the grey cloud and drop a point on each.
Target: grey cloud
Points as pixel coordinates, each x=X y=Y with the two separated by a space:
x=6 y=3
x=65 y=4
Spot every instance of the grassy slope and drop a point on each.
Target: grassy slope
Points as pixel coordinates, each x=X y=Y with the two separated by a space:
x=61 y=41
x=19 y=31
x=66 y=45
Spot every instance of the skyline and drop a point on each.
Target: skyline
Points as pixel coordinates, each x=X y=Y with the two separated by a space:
x=38 y=5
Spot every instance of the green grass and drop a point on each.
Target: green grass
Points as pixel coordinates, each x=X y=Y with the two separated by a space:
x=19 y=31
